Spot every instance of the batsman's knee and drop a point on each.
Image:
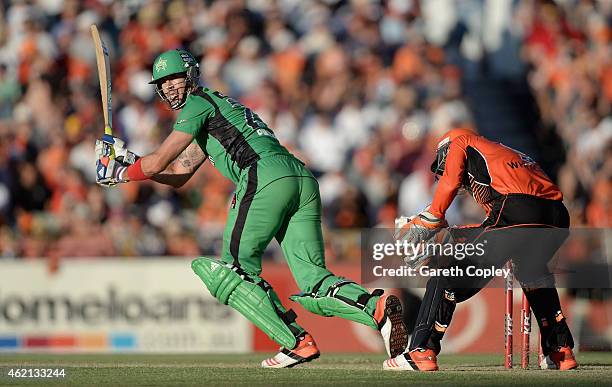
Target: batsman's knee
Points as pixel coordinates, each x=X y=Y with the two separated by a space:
x=251 y=296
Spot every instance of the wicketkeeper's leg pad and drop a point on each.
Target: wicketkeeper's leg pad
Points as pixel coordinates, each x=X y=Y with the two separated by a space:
x=253 y=298
x=336 y=296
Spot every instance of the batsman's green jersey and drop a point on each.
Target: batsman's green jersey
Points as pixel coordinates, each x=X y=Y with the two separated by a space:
x=276 y=197
x=231 y=134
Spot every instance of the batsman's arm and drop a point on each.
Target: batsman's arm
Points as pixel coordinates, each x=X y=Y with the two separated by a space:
x=157 y=162
x=181 y=169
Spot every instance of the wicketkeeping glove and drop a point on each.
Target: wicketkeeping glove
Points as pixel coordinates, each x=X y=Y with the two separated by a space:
x=418 y=228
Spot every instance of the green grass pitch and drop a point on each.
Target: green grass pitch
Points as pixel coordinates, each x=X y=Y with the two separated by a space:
x=330 y=369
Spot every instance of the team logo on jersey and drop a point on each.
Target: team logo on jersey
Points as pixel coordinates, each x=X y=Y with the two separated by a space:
x=161 y=65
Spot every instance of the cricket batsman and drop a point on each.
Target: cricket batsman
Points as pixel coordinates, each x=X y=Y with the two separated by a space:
x=275 y=197
x=526 y=221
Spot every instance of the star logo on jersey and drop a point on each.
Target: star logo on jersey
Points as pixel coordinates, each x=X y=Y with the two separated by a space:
x=161 y=65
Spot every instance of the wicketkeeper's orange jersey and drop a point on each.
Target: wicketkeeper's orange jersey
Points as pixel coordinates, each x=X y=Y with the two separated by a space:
x=489 y=171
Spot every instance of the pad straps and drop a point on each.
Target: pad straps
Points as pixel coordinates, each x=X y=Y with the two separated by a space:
x=289 y=316
x=333 y=290
x=315 y=289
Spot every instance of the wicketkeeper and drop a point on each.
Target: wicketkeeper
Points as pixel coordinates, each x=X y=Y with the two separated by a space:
x=526 y=222
x=275 y=197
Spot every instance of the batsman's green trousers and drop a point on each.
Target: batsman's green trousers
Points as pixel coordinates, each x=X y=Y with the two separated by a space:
x=279 y=198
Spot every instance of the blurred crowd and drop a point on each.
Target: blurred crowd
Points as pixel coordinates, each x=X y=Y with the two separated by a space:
x=568 y=48
x=352 y=88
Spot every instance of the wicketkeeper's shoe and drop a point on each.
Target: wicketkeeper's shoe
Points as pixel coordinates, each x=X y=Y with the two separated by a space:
x=416 y=360
x=305 y=351
x=391 y=325
x=562 y=360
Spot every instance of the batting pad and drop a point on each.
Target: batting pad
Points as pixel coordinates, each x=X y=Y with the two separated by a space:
x=248 y=298
x=338 y=301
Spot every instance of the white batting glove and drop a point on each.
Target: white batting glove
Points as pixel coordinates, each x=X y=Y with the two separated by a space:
x=114 y=147
x=113 y=160
x=110 y=171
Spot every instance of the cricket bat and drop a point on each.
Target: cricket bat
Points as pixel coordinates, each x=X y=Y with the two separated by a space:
x=103 y=62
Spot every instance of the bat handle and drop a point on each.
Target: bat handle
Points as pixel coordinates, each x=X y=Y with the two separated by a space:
x=108 y=130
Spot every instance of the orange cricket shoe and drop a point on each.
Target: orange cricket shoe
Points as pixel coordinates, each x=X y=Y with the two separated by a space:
x=305 y=351
x=561 y=360
x=416 y=360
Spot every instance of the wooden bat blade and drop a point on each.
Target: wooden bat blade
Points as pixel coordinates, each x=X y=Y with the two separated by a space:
x=103 y=62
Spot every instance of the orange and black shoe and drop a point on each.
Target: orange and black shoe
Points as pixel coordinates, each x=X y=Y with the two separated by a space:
x=563 y=359
x=305 y=351
x=390 y=320
x=416 y=360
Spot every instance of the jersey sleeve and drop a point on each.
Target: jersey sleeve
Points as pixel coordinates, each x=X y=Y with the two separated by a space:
x=451 y=179
x=192 y=119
